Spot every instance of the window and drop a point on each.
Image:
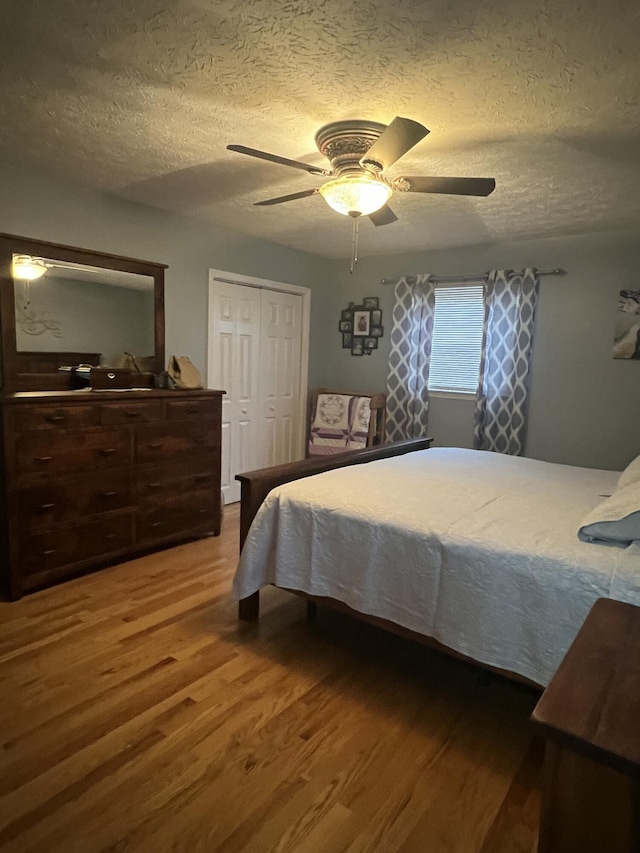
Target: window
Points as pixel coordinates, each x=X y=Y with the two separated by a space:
x=457 y=339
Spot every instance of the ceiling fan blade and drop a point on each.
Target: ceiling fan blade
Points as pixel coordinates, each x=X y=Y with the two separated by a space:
x=274 y=158
x=398 y=138
x=450 y=186
x=282 y=198
x=384 y=216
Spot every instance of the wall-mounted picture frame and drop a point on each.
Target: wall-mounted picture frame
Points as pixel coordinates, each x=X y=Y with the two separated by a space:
x=361 y=326
x=361 y=323
x=626 y=340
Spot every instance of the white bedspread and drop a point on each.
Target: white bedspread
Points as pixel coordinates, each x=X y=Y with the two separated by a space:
x=475 y=549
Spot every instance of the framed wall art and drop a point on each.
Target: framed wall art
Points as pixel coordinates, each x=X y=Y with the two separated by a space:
x=626 y=338
x=361 y=326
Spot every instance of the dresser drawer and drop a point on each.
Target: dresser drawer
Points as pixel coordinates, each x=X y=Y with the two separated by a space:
x=51 y=549
x=131 y=413
x=154 y=483
x=178 y=409
x=54 y=417
x=68 y=453
x=177 y=440
x=180 y=515
x=58 y=501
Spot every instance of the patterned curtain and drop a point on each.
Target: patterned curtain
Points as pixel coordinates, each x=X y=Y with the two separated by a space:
x=407 y=392
x=501 y=407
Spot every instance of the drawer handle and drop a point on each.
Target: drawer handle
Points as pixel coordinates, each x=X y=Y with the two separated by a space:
x=49 y=552
x=55 y=419
x=107 y=494
x=44 y=458
x=155 y=445
x=202 y=478
x=192 y=410
x=45 y=507
x=107 y=451
x=110 y=536
x=157 y=524
x=133 y=414
x=154 y=485
x=200 y=439
x=203 y=511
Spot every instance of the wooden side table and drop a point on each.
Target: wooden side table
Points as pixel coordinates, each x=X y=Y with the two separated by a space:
x=590 y=717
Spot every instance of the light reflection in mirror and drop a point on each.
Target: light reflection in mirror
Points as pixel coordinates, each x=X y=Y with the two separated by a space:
x=78 y=308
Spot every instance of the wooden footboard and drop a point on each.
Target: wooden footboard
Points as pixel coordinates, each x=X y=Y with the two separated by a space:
x=256 y=485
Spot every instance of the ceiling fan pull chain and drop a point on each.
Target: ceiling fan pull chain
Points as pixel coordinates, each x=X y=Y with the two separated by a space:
x=354 y=244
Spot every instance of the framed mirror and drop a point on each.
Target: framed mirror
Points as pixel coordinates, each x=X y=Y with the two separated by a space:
x=64 y=306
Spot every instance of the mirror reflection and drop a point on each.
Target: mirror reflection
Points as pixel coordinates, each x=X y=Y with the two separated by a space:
x=66 y=307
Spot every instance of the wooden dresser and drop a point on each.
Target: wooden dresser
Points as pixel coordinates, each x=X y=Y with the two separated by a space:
x=91 y=478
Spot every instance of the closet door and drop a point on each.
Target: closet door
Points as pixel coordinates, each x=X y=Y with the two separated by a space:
x=255 y=353
x=280 y=344
x=234 y=360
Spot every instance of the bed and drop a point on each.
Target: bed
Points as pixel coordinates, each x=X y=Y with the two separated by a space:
x=476 y=552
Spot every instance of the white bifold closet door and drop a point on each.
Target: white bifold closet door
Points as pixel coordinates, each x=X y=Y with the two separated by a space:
x=255 y=339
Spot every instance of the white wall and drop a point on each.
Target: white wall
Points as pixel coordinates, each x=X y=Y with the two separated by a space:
x=584 y=405
x=42 y=206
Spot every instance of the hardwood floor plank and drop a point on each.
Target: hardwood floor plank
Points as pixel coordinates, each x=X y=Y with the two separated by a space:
x=140 y=715
x=517 y=820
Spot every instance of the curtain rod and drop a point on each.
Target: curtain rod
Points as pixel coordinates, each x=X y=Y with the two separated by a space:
x=480 y=277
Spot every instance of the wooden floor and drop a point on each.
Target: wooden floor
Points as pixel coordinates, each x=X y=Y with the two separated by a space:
x=138 y=714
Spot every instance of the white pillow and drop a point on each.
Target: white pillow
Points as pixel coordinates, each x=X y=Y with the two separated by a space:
x=631 y=474
x=616 y=521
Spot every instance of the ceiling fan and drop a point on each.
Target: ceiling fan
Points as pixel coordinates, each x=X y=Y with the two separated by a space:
x=360 y=152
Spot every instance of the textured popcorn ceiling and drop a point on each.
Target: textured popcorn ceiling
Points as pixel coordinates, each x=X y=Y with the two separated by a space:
x=140 y=98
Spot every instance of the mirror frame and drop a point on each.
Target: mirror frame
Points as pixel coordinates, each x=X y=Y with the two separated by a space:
x=11 y=379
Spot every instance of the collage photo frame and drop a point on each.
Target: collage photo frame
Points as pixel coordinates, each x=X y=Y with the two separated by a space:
x=361 y=326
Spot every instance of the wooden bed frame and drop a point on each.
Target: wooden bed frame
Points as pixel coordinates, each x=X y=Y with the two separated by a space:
x=256 y=485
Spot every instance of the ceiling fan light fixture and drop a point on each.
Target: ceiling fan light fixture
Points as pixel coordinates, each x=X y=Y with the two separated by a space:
x=27 y=268
x=355 y=195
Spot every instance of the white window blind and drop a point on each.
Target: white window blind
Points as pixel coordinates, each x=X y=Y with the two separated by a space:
x=457 y=339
